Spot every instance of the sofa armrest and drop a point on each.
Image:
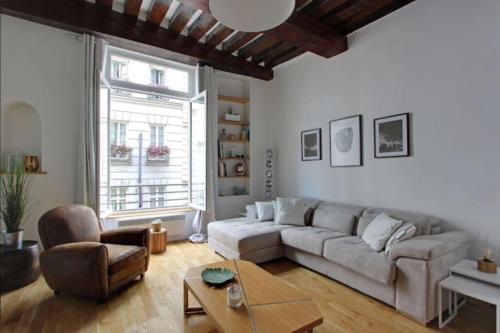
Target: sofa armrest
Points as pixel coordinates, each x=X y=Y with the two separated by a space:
x=138 y=236
x=77 y=268
x=429 y=247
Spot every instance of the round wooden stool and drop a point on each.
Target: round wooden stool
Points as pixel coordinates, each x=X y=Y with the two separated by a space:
x=19 y=267
x=158 y=241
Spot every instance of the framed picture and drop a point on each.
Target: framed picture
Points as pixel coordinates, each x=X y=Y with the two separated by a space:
x=346 y=142
x=392 y=136
x=311 y=144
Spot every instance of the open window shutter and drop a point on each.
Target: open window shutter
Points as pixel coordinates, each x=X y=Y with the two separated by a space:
x=198 y=152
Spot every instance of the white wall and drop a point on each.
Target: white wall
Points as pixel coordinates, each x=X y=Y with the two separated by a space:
x=43 y=67
x=439 y=61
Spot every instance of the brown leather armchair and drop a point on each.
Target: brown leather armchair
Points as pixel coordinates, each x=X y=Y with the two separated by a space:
x=79 y=259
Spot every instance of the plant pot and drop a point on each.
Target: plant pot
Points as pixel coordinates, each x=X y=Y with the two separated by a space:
x=13 y=239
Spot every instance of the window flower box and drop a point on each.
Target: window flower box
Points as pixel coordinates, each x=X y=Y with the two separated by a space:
x=158 y=154
x=121 y=153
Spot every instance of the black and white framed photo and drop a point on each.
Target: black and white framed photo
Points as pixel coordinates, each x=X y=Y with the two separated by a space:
x=392 y=136
x=311 y=144
x=346 y=142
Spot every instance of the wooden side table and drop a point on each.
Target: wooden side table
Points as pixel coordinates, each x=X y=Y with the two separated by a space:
x=19 y=267
x=158 y=241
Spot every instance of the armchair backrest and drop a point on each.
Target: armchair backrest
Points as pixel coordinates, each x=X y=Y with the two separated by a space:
x=68 y=224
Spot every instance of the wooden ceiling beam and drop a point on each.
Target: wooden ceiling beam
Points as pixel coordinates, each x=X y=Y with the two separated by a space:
x=257 y=46
x=301 y=31
x=181 y=17
x=133 y=7
x=218 y=35
x=284 y=57
x=84 y=17
x=105 y=3
x=201 y=26
x=158 y=11
x=238 y=40
x=383 y=8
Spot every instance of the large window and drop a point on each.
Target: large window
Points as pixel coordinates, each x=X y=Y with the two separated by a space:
x=145 y=142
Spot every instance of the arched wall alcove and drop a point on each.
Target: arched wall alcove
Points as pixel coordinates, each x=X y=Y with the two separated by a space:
x=22 y=130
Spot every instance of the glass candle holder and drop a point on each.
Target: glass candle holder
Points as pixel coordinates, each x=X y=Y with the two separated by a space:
x=234 y=296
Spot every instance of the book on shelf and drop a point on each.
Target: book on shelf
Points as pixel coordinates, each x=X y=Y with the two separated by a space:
x=220 y=150
x=245 y=134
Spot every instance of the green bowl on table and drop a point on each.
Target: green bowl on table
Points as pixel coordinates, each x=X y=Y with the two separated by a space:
x=217 y=276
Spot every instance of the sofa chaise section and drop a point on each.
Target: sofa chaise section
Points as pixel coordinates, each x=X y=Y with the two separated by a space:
x=247 y=239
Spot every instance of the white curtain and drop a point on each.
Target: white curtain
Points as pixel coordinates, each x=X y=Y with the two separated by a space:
x=87 y=187
x=207 y=81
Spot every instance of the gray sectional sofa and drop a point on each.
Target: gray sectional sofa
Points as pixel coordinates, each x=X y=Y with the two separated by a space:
x=331 y=244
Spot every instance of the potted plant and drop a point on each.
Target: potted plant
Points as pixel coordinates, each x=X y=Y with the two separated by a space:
x=120 y=152
x=15 y=187
x=158 y=153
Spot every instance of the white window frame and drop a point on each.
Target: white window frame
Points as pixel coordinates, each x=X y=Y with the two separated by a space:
x=156 y=196
x=118 y=198
x=156 y=63
x=123 y=75
x=158 y=69
x=118 y=133
x=157 y=134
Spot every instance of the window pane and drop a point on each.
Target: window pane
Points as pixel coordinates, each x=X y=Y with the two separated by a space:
x=123 y=134
x=198 y=155
x=161 y=141
x=177 y=80
x=153 y=136
x=113 y=133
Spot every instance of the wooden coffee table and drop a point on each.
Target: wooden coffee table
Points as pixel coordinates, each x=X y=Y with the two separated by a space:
x=269 y=303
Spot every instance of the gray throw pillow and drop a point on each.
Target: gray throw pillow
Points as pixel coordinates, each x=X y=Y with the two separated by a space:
x=404 y=232
x=379 y=230
x=290 y=211
x=265 y=210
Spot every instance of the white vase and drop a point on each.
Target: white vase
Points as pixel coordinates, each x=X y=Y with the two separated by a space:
x=12 y=239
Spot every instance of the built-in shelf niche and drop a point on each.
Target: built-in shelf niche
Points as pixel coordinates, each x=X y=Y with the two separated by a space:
x=22 y=131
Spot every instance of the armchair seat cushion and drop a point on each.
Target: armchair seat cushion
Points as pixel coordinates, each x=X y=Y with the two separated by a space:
x=121 y=257
x=353 y=253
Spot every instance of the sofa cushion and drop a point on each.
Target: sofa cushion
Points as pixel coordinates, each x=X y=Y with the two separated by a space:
x=245 y=235
x=380 y=230
x=423 y=222
x=122 y=256
x=308 y=239
x=336 y=216
x=353 y=253
x=265 y=210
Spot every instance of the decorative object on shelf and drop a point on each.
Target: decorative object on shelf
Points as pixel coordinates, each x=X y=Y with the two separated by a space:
x=120 y=152
x=220 y=150
x=392 y=136
x=20 y=266
x=158 y=240
x=245 y=133
x=31 y=163
x=156 y=225
x=270 y=162
x=231 y=154
x=234 y=296
x=15 y=188
x=346 y=148
x=222 y=169
x=311 y=144
x=239 y=190
x=217 y=276
x=230 y=116
x=486 y=264
x=240 y=169
x=232 y=136
x=223 y=135
x=158 y=153
x=251 y=16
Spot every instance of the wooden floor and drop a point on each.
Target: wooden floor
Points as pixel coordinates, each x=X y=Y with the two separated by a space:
x=155 y=304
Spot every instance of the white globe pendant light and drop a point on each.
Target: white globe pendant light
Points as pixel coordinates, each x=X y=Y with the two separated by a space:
x=251 y=15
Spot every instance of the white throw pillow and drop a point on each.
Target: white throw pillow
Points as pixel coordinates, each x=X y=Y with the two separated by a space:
x=379 y=230
x=251 y=212
x=265 y=210
x=290 y=211
x=406 y=231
